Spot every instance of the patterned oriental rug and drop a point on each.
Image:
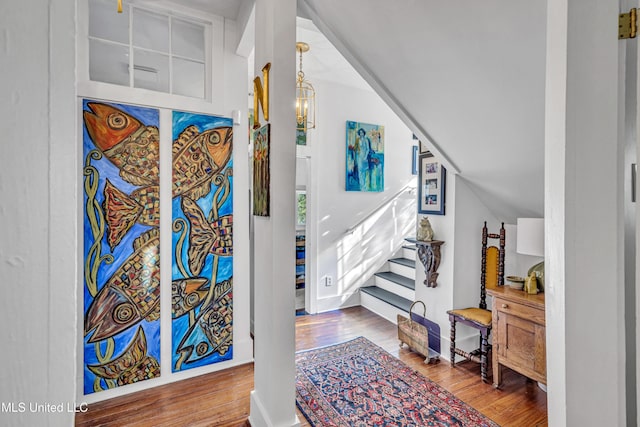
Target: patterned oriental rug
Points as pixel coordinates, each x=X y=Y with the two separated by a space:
x=357 y=383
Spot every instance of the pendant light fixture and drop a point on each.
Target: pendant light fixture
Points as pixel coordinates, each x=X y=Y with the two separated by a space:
x=305 y=97
x=119 y=6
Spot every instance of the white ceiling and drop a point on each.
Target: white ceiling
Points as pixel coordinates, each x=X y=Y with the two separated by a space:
x=323 y=61
x=466 y=76
x=226 y=8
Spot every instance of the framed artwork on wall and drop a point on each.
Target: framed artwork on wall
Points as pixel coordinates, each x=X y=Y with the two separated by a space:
x=121 y=228
x=431 y=186
x=414 y=160
x=365 y=157
x=202 y=240
x=261 y=177
x=423 y=148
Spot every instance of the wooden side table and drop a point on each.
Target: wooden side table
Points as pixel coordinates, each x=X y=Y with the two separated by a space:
x=519 y=339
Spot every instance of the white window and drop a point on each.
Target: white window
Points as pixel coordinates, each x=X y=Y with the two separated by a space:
x=147 y=49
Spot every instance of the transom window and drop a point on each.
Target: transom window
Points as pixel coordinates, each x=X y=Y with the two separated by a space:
x=147 y=49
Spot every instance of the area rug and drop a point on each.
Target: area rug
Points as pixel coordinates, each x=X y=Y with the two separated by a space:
x=357 y=383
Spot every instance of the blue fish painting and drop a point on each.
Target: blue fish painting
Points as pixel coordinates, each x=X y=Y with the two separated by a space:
x=365 y=157
x=121 y=245
x=202 y=242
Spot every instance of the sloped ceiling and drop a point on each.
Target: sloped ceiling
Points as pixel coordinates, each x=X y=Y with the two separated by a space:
x=467 y=76
x=226 y=8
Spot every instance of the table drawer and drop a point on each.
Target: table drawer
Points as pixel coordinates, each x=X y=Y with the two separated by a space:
x=515 y=309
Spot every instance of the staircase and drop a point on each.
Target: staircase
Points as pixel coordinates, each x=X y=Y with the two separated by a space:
x=393 y=289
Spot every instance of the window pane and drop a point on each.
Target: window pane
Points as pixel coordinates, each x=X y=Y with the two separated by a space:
x=108 y=63
x=188 y=78
x=187 y=39
x=106 y=23
x=150 y=31
x=151 y=71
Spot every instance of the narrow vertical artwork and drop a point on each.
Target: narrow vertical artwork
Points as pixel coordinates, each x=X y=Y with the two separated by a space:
x=121 y=245
x=261 y=179
x=202 y=242
x=365 y=157
x=301 y=137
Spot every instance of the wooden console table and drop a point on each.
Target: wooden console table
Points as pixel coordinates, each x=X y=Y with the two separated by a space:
x=518 y=334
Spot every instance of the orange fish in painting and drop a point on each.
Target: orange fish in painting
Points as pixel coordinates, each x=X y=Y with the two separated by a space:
x=131 y=294
x=126 y=142
x=206 y=237
x=198 y=157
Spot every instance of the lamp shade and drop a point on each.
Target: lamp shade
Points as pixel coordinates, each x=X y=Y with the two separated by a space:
x=530 y=239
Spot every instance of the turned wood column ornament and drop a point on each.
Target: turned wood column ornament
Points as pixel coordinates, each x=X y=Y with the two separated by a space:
x=429 y=256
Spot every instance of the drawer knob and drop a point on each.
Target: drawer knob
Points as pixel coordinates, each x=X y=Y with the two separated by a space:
x=505 y=306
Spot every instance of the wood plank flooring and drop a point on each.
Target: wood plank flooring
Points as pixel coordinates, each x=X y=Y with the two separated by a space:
x=222 y=398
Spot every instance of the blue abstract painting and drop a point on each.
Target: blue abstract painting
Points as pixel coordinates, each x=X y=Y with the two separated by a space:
x=202 y=240
x=121 y=244
x=365 y=157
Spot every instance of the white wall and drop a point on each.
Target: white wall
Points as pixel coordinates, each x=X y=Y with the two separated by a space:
x=459 y=280
x=476 y=94
x=228 y=97
x=584 y=280
x=351 y=258
x=440 y=299
x=460 y=267
x=273 y=397
x=38 y=171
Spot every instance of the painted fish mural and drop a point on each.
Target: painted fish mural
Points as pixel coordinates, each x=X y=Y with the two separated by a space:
x=125 y=141
x=202 y=210
x=187 y=294
x=206 y=238
x=131 y=294
x=121 y=244
x=132 y=147
x=122 y=211
x=212 y=330
x=197 y=157
x=131 y=366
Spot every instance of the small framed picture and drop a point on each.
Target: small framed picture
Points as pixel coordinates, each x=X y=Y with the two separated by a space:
x=414 y=161
x=431 y=186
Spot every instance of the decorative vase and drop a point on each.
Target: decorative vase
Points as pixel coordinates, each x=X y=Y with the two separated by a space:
x=538 y=270
x=530 y=285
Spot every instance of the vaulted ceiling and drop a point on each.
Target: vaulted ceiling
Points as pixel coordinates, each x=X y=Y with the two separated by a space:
x=466 y=76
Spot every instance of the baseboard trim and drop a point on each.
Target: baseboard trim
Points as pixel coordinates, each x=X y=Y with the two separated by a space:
x=468 y=344
x=258 y=416
x=339 y=301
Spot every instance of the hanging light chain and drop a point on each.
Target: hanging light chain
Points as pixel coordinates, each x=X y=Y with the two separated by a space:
x=300 y=73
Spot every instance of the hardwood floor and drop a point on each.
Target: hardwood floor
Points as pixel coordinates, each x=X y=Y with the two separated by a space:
x=222 y=398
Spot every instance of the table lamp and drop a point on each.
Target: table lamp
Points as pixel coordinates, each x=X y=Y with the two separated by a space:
x=530 y=241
